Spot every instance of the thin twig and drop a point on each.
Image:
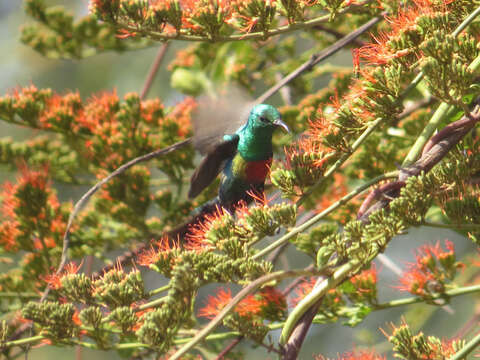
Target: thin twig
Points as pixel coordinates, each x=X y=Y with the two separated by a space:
x=229 y=348
x=285 y=92
x=154 y=70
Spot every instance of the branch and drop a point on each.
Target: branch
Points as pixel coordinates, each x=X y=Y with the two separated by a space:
x=153 y=70
x=229 y=348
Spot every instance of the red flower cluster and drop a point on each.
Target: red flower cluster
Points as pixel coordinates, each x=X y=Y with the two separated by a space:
x=384 y=50
x=113 y=131
x=365 y=284
x=262 y=305
x=197 y=237
x=433 y=268
x=162 y=250
x=54 y=280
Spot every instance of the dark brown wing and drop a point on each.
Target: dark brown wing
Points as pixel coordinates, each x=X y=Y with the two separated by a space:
x=212 y=164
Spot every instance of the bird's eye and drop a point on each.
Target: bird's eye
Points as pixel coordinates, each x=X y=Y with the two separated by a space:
x=263 y=119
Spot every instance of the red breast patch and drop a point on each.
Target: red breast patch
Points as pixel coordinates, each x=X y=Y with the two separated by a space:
x=257 y=171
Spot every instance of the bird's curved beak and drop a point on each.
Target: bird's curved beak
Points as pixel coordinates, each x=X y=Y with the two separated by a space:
x=280 y=123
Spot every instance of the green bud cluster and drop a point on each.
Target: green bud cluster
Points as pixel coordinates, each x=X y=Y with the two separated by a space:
x=253 y=330
x=76 y=288
x=417 y=346
x=54 y=319
x=123 y=318
x=116 y=289
x=446 y=65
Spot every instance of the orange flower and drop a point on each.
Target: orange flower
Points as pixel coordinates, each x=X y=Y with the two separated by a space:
x=125 y=34
x=197 y=236
x=54 y=280
x=364 y=281
x=215 y=304
x=431 y=271
x=264 y=304
x=164 y=246
x=98 y=111
x=9 y=230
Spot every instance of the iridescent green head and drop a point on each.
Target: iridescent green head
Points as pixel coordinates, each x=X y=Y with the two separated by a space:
x=255 y=141
x=265 y=118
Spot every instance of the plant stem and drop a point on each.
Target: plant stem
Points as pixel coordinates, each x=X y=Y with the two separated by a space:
x=24 y=341
x=466 y=22
x=413 y=300
x=19 y=295
x=426 y=134
x=151 y=304
x=316 y=294
x=153 y=70
x=159 y=290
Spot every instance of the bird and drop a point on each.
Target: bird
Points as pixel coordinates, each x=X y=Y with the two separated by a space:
x=244 y=158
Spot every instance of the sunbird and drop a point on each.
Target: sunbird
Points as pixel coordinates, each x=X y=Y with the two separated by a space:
x=244 y=157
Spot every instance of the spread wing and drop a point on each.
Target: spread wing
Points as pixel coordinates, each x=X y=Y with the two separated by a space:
x=215 y=117
x=212 y=164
